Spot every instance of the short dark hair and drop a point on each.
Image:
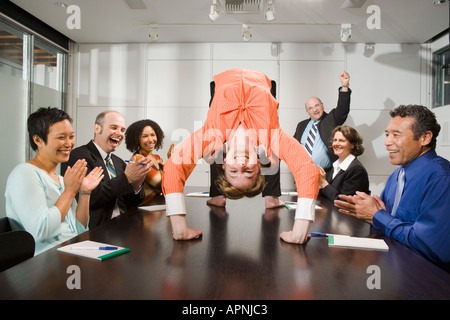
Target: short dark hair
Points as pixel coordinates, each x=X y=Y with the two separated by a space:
x=425 y=120
x=353 y=137
x=40 y=121
x=134 y=131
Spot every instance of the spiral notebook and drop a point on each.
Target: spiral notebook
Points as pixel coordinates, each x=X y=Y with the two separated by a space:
x=94 y=250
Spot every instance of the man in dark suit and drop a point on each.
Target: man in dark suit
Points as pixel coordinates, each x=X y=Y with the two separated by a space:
x=325 y=122
x=119 y=190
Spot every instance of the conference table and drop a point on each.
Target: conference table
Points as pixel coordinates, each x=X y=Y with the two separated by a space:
x=239 y=257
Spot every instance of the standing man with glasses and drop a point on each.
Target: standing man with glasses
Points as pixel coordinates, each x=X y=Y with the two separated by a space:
x=121 y=188
x=315 y=133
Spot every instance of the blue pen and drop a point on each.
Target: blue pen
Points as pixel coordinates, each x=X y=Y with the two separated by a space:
x=129 y=161
x=319 y=234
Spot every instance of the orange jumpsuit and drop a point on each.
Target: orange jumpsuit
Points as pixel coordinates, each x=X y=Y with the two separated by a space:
x=241 y=96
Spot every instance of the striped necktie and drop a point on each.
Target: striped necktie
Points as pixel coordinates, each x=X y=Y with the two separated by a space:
x=311 y=137
x=110 y=167
x=398 y=193
x=112 y=175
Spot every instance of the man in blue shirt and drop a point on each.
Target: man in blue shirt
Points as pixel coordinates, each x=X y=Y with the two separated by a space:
x=421 y=219
x=325 y=122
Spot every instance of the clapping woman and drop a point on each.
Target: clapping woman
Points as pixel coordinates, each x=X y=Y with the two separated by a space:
x=347 y=174
x=142 y=138
x=38 y=199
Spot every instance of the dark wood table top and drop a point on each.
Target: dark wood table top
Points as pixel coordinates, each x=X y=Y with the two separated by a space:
x=240 y=256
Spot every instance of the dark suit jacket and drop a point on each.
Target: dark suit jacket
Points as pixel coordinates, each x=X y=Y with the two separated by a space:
x=347 y=182
x=104 y=196
x=329 y=121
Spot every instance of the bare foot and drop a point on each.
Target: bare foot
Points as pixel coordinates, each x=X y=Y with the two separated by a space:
x=218 y=201
x=273 y=202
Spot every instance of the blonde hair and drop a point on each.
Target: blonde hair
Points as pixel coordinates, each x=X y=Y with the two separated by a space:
x=234 y=193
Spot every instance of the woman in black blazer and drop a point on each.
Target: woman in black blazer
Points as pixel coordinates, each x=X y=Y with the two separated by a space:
x=347 y=175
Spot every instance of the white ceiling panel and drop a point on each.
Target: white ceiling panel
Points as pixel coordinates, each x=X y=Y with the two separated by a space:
x=109 y=21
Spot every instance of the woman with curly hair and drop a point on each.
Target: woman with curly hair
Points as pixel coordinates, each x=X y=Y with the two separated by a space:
x=142 y=138
x=347 y=175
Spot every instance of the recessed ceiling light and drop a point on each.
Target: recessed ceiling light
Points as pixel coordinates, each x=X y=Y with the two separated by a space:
x=61 y=4
x=439 y=2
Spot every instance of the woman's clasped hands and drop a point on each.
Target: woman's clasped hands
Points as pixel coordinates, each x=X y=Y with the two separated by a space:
x=75 y=178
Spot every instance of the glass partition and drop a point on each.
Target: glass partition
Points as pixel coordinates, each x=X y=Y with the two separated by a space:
x=11 y=51
x=32 y=75
x=442 y=77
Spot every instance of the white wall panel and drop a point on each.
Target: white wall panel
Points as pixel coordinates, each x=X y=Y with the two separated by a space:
x=245 y=51
x=312 y=51
x=300 y=80
x=111 y=75
x=384 y=75
x=179 y=51
x=377 y=184
x=178 y=83
x=371 y=124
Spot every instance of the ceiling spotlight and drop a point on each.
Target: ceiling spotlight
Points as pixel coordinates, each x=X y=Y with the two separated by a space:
x=439 y=2
x=153 y=33
x=61 y=4
x=346 y=32
x=270 y=11
x=214 y=11
x=246 y=35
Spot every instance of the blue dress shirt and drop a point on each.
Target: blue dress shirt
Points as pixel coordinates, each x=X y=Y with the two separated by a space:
x=320 y=151
x=422 y=219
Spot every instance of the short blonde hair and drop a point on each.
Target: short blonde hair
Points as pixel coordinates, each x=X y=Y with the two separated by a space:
x=234 y=193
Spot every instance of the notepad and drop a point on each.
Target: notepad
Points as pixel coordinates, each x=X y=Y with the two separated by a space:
x=89 y=249
x=357 y=243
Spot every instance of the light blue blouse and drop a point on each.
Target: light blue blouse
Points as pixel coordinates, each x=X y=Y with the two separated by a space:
x=30 y=197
